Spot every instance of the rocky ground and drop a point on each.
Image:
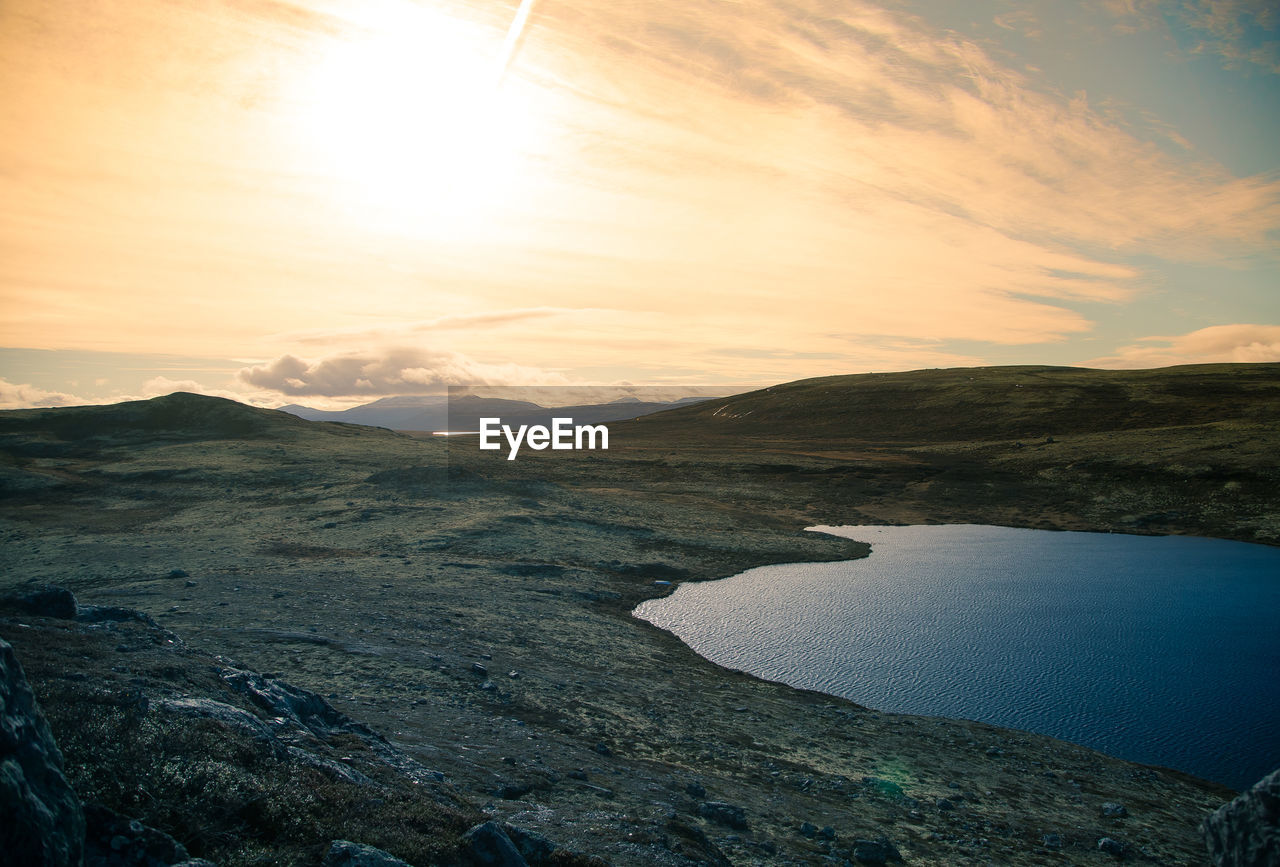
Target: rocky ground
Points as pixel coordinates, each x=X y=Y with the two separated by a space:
x=475 y=612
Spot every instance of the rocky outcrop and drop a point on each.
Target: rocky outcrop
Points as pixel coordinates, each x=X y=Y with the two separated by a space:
x=41 y=820
x=344 y=853
x=487 y=845
x=57 y=602
x=112 y=840
x=60 y=603
x=1245 y=832
x=303 y=711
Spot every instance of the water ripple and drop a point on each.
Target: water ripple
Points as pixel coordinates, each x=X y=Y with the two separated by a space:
x=1163 y=650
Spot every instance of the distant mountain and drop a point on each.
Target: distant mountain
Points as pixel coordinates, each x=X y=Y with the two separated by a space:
x=404 y=412
x=432 y=413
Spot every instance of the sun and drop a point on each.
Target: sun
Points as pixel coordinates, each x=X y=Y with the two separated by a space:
x=406 y=115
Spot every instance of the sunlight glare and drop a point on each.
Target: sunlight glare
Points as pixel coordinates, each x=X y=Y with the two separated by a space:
x=407 y=115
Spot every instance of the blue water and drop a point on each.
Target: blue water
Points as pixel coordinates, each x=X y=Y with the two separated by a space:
x=1160 y=649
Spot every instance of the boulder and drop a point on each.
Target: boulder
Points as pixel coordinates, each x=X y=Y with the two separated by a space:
x=487 y=845
x=113 y=840
x=1245 y=832
x=1112 y=847
x=344 y=853
x=879 y=851
x=43 y=822
x=533 y=847
x=724 y=814
x=56 y=602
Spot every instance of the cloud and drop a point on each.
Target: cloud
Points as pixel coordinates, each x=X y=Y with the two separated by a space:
x=395 y=371
x=864 y=104
x=402 y=331
x=25 y=396
x=1023 y=21
x=1218 y=343
x=1241 y=33
x=715 y=173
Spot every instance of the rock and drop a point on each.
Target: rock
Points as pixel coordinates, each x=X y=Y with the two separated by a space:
x=602 y=748
x=480 y=669
x=228 y=715
x=693 y=845
x=178 y=573
x=887 y=788
x=695 y=789
x=827 y=833
x=487 y=845
x=56 y=602
x=113 y=840
x=1112 y=810
x=344 y=853
x=808 y=829
x=114 y=614
x=533 y=847
x=723 y=814
x=1052 y=841
x=43 y=821
x=512 y=791
x=875 y=851
x=1111 y=847
x=292 y=706
x=1245 y=832
x=945 y=804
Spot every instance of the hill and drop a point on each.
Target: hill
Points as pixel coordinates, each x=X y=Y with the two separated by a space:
x=987 y=403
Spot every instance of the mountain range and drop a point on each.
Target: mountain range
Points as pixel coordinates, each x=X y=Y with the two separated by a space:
x=438 y=412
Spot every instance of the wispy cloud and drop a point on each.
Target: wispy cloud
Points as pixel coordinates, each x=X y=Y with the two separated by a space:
x=404 y=331
x=1219 y=343
x=1240 y=33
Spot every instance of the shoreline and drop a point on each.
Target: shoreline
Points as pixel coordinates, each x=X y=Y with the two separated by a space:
x=738 y=625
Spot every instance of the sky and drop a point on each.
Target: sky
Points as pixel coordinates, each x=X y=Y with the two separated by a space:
x=329 y=201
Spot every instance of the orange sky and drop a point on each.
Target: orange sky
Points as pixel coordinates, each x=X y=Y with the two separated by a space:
x=708 y=191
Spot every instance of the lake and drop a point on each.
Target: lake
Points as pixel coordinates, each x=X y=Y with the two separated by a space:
x=1160 y=649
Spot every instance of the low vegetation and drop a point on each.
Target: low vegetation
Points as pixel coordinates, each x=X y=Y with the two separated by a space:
x=475 y=611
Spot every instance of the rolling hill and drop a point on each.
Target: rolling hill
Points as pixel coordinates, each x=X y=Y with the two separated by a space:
x=985 y=403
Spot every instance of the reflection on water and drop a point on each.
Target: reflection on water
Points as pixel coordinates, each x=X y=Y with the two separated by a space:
x=1163 y=650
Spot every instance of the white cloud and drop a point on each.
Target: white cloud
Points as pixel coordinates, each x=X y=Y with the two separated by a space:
x=26 y=396
x=394 y=371
x=1218 y=343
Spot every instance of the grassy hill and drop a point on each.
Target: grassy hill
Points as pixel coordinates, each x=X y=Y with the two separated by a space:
x=986 y=403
